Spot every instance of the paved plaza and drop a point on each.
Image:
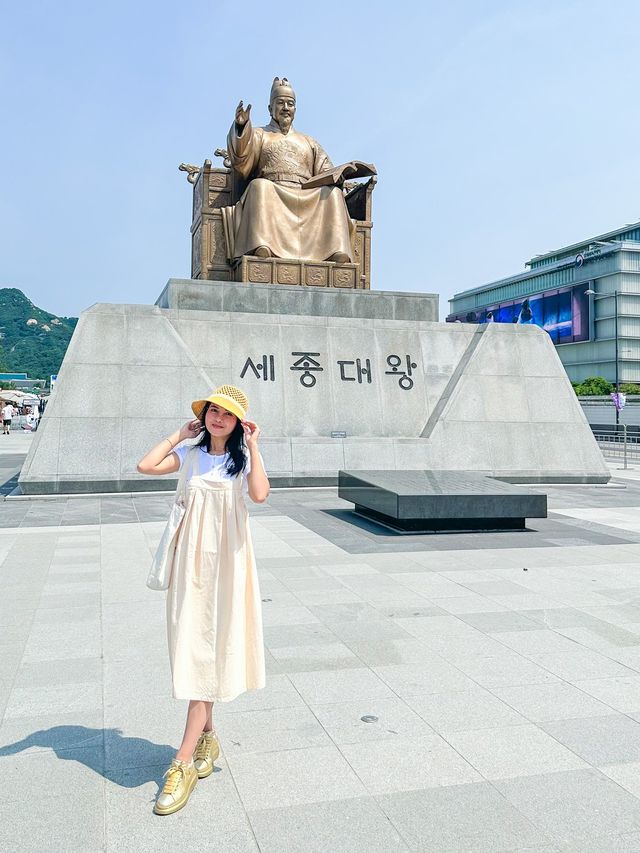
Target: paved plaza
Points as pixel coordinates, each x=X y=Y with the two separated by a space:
x=424 y=693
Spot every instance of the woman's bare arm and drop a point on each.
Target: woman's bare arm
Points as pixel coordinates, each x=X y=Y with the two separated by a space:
x=161 y=459
x=257 y=480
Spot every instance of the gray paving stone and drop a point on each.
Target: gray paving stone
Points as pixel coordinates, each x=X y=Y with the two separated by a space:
x=318 y=827
x=318 y=657
x=276 y=614
x=59 y=641
x=75 y=824
x=508 y=668
x=580 y=664
x=510 y=751
x=81 y=768
x=494 y=587
x=348 y=612
x=498 y=621
x=11 y=615
x=460 y=818
x=341 y=686
x=626 y=775
x=65 y=615
x=75 y=572
x=271 y=731
x=121 y=752
x=28 y=701
x=314 y=584
x=128 y=679
x=61 y=600
x=599 y=740
x=59 y=672
x=547 y=702
x=386 y=652
x=621 y=694
x=10 y=660
x=159 y=719
x=605 y=638
x=65 y=577
x=51 y=731
x=279 y=692
x=433 y=675
x=377 y=630
x=339 y=569
x=543 y=641
x=327 y=596
x=69 y=588
x=462 y=710
x=214 y=815
x=293 y=777
x=626 y=843
x=575 y=806
x=404 y=611
x=279 y=636
x=278 y=599
x=469 y=603
x=408 y=764
x=15 y=634
x=81 y=553
x=390 y=718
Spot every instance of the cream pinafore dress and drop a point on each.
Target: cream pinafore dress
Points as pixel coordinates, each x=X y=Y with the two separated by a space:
x=214 y=616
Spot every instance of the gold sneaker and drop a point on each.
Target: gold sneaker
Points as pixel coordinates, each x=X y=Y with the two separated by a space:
x=181 y=780
x=206 y=752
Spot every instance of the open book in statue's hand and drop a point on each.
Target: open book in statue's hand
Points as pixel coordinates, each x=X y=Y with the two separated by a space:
x=339 y=174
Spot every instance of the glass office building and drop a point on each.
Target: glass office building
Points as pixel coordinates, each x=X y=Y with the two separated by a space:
x=586 y=296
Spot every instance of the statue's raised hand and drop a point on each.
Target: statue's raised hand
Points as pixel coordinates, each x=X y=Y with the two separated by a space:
x=242 y=115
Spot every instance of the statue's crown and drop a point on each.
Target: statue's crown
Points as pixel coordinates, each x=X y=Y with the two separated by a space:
x=281 y=86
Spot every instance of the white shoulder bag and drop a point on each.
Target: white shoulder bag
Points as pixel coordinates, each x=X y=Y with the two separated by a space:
x=160 y=572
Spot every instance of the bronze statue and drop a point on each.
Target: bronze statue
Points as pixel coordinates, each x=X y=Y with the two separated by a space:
x=294 y=206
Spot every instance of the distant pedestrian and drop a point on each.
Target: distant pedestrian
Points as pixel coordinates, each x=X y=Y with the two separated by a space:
x=214 y=616
x=7 y=417
x=31 y=419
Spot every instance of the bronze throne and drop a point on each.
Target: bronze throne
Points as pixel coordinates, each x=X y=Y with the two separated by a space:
x=215 y=188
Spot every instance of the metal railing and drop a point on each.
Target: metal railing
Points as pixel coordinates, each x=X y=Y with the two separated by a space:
x=619 y=445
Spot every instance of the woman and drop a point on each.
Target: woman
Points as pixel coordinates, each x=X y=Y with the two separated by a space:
x=214 y=621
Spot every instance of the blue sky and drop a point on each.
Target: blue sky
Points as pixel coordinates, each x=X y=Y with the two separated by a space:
x=499 y=129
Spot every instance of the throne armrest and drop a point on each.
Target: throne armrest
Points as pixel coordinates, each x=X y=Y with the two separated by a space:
x=358 y=200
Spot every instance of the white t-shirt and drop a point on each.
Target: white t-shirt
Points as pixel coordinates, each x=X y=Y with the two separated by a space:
x=7 y=412
x=212 y=465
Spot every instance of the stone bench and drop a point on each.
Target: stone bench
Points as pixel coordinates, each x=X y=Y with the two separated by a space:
x=429 y=501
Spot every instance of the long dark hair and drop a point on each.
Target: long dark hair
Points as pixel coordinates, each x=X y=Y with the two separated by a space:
x=235 y=445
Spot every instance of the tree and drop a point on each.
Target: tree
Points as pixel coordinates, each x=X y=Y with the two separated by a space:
x=594 y=386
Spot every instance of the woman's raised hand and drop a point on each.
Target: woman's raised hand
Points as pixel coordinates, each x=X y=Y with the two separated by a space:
x=251 y=433
x=191 y=429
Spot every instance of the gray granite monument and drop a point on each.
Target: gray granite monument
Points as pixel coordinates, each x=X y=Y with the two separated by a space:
x=336 y=380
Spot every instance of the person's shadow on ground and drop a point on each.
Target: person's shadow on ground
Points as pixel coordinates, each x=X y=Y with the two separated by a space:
x=125 y=761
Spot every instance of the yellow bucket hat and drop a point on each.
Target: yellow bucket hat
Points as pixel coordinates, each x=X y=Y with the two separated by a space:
x=227 y=397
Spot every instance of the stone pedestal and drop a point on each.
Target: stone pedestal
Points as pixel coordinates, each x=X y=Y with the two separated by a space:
x=336 y=379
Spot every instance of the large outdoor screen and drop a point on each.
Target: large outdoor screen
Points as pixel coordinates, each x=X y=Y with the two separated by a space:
x=563 y=313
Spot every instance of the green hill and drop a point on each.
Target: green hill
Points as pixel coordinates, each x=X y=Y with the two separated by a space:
x=32 y=341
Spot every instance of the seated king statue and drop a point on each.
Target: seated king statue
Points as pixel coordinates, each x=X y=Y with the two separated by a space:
x=277 y=216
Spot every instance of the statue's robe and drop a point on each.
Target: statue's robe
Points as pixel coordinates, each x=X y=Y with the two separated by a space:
x=274 y=210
